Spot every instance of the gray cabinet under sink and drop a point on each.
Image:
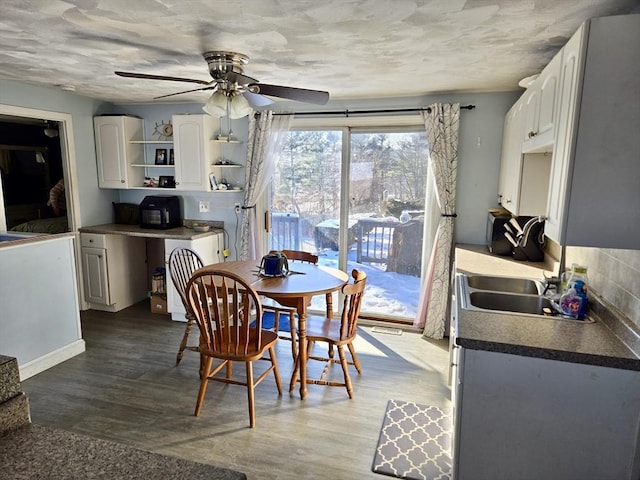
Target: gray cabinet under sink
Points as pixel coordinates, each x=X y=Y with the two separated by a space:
x=536 y=418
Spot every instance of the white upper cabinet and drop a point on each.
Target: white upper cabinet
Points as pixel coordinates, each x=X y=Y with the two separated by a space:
x=527 y=142
x=120 y=152
x=542 y=108
x=116 y=154
x=595 y=196
x=579 y=157
x=511 y=162
x=571 y=63
x=524 y=178
x=194 y=150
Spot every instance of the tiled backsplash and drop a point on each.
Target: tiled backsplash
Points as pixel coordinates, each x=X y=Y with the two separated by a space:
x=614 y=275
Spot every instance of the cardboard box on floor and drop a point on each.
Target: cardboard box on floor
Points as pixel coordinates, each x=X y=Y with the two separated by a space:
x=158 y=304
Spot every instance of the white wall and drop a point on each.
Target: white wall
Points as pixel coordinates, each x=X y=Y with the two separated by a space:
x=40 y=319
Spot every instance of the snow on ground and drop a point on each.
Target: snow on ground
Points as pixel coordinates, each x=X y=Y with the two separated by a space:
x=387 y=293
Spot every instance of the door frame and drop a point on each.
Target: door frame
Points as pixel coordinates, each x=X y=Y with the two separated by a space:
x=67 y=152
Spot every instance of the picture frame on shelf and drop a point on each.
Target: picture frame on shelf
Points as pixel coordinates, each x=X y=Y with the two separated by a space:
x=213 y=181
x=172 y=158
x=161 y=156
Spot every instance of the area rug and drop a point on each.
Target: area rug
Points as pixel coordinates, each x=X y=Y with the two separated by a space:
x=414 y=443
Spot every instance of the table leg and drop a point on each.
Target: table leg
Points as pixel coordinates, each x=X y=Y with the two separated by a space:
x=302 y=346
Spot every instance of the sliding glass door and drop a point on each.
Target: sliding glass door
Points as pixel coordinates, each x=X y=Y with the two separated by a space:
x=356 y=198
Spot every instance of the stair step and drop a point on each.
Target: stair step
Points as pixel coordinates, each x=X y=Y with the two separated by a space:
x=9 y=378
x=14 y=413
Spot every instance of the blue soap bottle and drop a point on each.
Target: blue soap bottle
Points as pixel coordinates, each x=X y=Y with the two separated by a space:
x=577 y=287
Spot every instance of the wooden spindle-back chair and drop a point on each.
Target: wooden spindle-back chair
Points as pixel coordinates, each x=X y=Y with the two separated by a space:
x=182 y=263
x=225 y=307
x=336 y=333
x=277 y=308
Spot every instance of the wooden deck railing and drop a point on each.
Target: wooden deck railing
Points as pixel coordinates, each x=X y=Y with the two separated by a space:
x=285 y=231
x=374 y=240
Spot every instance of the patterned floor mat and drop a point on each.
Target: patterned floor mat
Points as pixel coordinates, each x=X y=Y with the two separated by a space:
x=414 y=443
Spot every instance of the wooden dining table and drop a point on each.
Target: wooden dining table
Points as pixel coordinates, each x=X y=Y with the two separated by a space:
x=294 y=290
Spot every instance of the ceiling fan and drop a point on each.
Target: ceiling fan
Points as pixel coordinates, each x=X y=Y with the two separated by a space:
x=231 y=87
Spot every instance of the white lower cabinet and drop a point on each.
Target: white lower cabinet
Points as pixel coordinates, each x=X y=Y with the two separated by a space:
x=209 y=249
x=114 y=270
x=533 y=418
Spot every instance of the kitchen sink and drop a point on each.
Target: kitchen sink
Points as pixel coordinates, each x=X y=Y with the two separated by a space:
x=508 y=302
x=518 y=296
x=505 y=284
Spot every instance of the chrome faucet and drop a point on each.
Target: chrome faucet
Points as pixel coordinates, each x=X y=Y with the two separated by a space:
x=551 y=282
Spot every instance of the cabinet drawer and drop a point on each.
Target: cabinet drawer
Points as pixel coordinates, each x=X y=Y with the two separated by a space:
x=94 y=240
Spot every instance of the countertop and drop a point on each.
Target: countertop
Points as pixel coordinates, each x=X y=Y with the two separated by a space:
x=535 y=336
x=35 y=451
x=179 y=233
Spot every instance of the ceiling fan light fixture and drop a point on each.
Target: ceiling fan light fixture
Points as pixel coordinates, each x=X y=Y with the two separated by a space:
x=216 y=106
x=238 y=107
x=221 y=104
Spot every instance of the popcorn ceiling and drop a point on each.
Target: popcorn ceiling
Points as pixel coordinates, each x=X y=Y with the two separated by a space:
x=353 y=49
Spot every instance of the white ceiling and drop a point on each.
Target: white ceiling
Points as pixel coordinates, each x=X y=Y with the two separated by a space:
x=351 y=48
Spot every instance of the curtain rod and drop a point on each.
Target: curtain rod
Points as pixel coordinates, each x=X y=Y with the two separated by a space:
x=348 y=112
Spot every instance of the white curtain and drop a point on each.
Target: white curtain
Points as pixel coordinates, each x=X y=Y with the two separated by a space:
x=266 y=136
x=442 y=125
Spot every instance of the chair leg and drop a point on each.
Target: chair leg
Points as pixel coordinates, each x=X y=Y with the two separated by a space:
x=203 y=366
x=250 y=394
x=354 y=357
x=203 y=385
x=294 y=374
x=276 y=372
x=185 y=339
x=345 y=370
x=294 y=340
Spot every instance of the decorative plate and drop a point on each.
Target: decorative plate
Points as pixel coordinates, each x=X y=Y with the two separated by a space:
x=163 y=130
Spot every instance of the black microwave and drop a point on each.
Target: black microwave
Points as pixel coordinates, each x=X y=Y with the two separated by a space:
x=160 y=211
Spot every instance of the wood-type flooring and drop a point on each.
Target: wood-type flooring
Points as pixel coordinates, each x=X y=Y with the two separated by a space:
x=127 y=388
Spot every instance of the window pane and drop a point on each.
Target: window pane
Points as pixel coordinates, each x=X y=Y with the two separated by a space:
x=386 y=204
x=305 y=201
x=387 y=178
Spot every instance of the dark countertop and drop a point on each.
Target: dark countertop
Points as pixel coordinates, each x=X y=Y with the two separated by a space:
x=535 y=336
x=35 y=451
x=180 y=233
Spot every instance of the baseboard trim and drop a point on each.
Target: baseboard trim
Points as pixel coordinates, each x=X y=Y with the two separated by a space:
x=47 y=361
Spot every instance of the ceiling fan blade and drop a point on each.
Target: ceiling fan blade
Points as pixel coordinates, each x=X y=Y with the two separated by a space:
x=160 y=77
x=256 y=100
x=214 y=87
x=239 y=78
x=292 y=93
